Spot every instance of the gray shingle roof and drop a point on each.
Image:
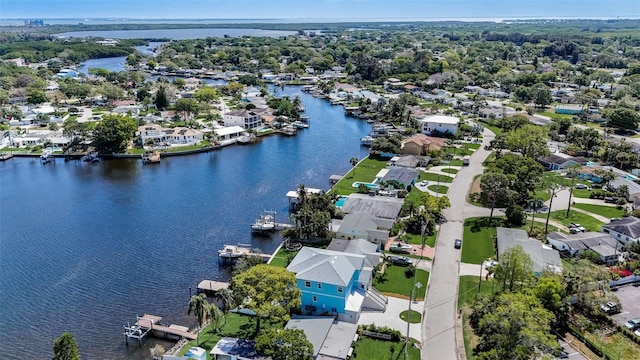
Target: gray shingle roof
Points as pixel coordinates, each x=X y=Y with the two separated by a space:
x=326 y=266
x=378 y=206
x=402 y=175
x=541 y=255
x=629 y=226
x=329 y=338
x=357 y=246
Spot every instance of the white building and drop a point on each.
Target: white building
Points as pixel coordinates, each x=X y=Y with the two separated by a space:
x=230 y=133
x=244 y=118
x=625 y=230
x=439 y=123
x=172 y=136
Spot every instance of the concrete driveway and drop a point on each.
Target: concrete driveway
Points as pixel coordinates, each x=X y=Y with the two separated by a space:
x=391 y=317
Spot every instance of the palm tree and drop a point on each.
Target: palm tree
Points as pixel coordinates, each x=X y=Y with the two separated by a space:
x=302 y=195
x=200 y=308
x=214 y=315
x=225 y=297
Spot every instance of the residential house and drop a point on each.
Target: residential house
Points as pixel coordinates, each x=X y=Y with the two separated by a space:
x=127 y=109
x=236 y=349
x=421 y=144
x=439 y=123
x=229 y=132
x=559 y=161
x=575 y=244
x=625 y=230
x=568 y=109
x=359 y=247
x=399 y=177
x=244 y=118
x=378 y=206
x=335 y=284
x=543 y=256
x=331 y=339
x=632 y=186
x=361 y=225
x=183 y=135
x=410 y=161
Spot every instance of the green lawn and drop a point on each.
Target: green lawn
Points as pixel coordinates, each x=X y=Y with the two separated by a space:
x=431 y=177
x=415 y=318
x=240 y=326
x=477 y=239
x=373 y=349
x=450 y=171
x=474 y=146
x=581 y=193
x=602 y=210
x=395 y=283
x=72 y=117
x=417 y=239
x=468 y=289
x=552 y=114
x=458 y=151
x=454 y=162
x=588 y=222
x=282 y=257
x=202 y=145
x=440 y=189
x=495 y=129
x=366 y=171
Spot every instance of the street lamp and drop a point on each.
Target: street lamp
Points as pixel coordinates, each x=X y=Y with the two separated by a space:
x=406 y=340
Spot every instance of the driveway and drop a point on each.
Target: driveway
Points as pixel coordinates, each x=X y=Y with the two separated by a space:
x=628 y=296
x=438 y=331
x=391 y=317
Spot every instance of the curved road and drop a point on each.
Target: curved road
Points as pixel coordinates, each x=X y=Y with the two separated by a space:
x=438 y=332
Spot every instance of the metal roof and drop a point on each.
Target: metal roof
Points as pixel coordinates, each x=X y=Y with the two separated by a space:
x=326 y=266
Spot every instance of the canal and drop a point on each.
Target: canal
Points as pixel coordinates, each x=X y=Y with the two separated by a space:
x=86 y=247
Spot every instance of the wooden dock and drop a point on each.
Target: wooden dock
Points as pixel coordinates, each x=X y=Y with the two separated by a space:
x=211 y=286
x=231 y=253
x=150 y=324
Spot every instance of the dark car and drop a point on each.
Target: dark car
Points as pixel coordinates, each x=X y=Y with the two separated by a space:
x=400 y=260
x=457 y=244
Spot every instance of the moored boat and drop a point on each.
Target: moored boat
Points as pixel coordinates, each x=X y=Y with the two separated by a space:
x=5 y=156
x=151 y=157
x=366 y=141
x=266 y=222
x=46 y=156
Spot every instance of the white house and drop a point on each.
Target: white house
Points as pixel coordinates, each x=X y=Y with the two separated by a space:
x=602 y=244
x=624 y=230
x=229 y=132
x=439 y=123
x=174 y=136
x=244 y=118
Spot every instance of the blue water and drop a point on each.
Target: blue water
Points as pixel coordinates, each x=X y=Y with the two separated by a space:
x=86 y=247
x=340 y=202
x=115 y=63
x=175 y=34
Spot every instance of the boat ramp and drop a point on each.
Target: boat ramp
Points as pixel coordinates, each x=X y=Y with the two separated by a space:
x=150 y=324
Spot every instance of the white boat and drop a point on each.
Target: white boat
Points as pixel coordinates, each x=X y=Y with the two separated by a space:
x=300 y=124
x=246 y=139
x=151 y=157
x=232 y=252
x=289 y=130
x=366 y=141
x=266 y=222
x=46 y=156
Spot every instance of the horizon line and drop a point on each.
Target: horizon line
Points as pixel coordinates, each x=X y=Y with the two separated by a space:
x=350 y=19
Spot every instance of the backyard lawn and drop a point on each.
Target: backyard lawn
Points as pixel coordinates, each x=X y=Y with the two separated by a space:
x=588 y=222
x=365 y=171
x=429 y=240
x=603 y=210
x=468 y=289
x=477 y=239
x=374 y=349
x=396 y=284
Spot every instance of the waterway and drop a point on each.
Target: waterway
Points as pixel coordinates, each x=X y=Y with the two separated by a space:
x=117 y=63
x=175 y=34
x=86 y=247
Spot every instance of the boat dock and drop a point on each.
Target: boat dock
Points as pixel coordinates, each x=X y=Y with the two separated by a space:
x=150 y=324
x=267 y=222
x=230 y=253
x=211 y=286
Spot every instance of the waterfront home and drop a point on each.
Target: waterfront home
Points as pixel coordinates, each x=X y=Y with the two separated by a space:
x=359 y=247
x=379 y=206
x=361 y=225
x=235 y=349
x=174 y=136
x=421 y=144
x=66 y=73
x=410 y=161
x=399 y=177
x=575 y=244
x=439 y=123
x=331 y=339
x=543 y=256
x=625 y=230
x=244 y=118
x=230 y=133
x=334 y=283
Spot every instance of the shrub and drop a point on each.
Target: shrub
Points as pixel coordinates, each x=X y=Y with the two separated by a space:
x=410 y=271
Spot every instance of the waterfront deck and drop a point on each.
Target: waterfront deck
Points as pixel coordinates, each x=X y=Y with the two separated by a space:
x=150 y=324
x=211 y=286
x=231 y=253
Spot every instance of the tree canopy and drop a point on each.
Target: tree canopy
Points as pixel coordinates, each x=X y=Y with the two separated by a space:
x=66 y=348
x=113 y=133
x=285 y=344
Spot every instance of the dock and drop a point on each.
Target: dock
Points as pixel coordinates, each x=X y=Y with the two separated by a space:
x=230 y=253
x=150 y=324
x=211 y=286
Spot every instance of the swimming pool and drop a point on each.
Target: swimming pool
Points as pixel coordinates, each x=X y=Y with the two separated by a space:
x=340 y=202
x=369 y=185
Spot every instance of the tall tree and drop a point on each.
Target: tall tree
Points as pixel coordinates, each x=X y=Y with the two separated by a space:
x=285 y=344
x=268 y=291
x=201 y=309
x=552 y=183
x=36 y=97
x=161 y=100
x=186 y=107
x=66 y=348
x=529 y=140
x=226 y=299
x=495 y=188
x=622 y=118
x=514 y=270
x=573 y=171
x=113 y=133
x=541 y=95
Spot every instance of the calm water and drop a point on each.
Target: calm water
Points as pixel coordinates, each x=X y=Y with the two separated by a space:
x=115 y=63
x=175 y=34
x=84 y=248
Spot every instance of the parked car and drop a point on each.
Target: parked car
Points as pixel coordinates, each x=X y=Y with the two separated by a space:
x=581 y=186
x=610 y=308
x=490 y=263
x=574 y=231
x=632 y=324
x=577 y=226
x=637 y=332
x=457 y=244
x=400 y=248
x=424 y=183
x=400 y=260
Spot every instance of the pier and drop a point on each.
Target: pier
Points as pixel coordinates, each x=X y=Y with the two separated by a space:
x=230 y=253
x=211 y=286
x=150 y=324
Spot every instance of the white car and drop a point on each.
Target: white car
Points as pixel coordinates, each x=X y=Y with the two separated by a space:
x=581 y=186
x=490 y=263
x=424 y=183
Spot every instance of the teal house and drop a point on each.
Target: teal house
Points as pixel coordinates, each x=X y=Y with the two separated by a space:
x=568 y=109
x=336 y=284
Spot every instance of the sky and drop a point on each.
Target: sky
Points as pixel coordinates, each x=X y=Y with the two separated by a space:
x=319 y=9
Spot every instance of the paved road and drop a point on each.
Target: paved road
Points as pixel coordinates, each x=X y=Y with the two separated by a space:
x=438 y=333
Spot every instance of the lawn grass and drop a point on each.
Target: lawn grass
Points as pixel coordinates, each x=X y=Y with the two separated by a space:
x=281 y=259
x=415 y=318
x=615 y=346
x=495 y=129
x=450 y=171
x=238 y=326
x=468 y=289
x=72 y=117
x=431 y=177
x=374 y=349
x=365 y=171
x=440 y=189
x=477 y=239
x=429 y=240
x=581 y=193
x=396 y=284
x=474 y=146
x=588 y=222
x=458 y=151
x=454 y=162
x=552 y=115
x=467 y=333
x=602 y=210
